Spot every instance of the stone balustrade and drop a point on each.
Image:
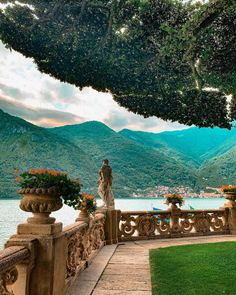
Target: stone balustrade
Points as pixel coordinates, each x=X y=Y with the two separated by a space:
x=10 y=260
x=137 y=225
x=47 y=258
x=83 y=241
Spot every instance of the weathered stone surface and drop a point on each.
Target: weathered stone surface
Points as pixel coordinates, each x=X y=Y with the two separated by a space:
x=39 y=229
x=127 y=272
x=123 y=285
x=133 y=277
x=119 y=292
x=124 y=270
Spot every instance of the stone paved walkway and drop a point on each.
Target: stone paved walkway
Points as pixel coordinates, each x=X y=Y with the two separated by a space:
x=127 y=272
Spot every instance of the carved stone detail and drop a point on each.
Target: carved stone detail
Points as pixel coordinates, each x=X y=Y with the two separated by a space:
x=9 y=277
x=82 y=243
x=41 y=205
x=186 y=224
x=146 y=225
x=135 y=225
x=128 y=225
x=143 y=224
x=202 y=223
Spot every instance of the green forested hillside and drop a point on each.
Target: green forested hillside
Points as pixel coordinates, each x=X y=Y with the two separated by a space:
x=193 y=157
x=193 y=145
x=155 y=141
x=25 y=146
x=220 y=170
x=134 y=166
x=211 y=151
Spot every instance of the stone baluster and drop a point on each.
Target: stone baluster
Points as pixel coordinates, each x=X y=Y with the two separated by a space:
x=48 y=270
x=174 y=221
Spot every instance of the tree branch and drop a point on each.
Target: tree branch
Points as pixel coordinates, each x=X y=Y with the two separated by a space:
x=214 y=10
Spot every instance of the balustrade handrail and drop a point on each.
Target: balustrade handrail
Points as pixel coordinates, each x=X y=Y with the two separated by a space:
x=168 y=211
x=71 y=229
x=203 y=210
x=145 y=212
x=12 y=256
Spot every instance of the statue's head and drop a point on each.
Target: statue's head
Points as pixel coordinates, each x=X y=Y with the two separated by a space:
x=106 y=162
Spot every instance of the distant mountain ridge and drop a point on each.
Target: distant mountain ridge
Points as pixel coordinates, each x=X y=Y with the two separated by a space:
x=134 y=165
x=197 y=144
x=192 y=157
x=212 y=152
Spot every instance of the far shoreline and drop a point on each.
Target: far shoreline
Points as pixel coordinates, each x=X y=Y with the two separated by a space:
x=131 y=198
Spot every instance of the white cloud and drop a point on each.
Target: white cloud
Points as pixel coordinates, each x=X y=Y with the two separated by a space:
x=21 y=82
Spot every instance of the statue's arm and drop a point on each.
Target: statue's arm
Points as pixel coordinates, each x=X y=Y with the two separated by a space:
x=100 y=177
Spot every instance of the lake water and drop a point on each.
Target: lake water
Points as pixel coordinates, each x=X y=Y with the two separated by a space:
x=11 y=215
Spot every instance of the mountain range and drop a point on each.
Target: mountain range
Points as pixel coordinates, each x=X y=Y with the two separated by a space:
x=191 y=157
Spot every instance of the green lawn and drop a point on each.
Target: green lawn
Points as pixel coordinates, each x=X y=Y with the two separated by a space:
x=207 y=269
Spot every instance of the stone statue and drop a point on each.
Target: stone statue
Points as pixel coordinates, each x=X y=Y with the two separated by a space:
x=105 y=184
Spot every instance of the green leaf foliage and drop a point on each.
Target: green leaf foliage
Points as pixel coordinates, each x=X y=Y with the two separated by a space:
x=157 y=57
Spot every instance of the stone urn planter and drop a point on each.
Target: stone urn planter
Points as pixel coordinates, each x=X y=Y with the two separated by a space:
x=87 y=207
x=173 y=200
x=83 y=216
x=41 y=202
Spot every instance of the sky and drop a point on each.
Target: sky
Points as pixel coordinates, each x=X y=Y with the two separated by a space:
x=44 y=101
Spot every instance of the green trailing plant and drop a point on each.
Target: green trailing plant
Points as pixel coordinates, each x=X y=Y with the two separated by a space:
x=51 y=181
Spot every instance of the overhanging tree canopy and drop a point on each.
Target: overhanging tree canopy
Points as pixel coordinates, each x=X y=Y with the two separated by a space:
x=157 y=57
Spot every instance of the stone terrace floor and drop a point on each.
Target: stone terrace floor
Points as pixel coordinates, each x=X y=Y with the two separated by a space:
x=123 y=269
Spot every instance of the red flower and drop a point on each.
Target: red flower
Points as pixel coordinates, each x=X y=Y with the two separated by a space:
x=53 y=172
x=16 y=171
x=17 y=178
